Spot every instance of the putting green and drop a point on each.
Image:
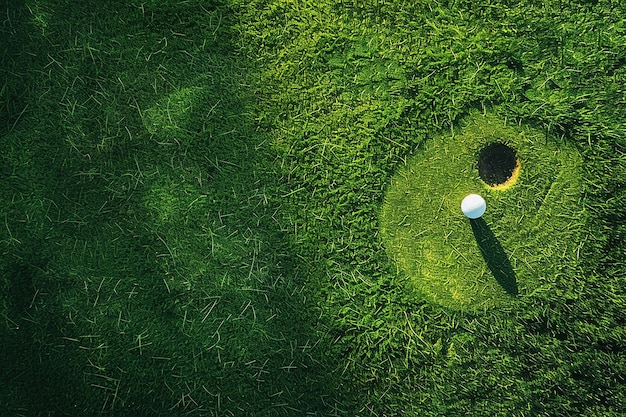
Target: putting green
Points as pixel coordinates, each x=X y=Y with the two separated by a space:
x=528 y=239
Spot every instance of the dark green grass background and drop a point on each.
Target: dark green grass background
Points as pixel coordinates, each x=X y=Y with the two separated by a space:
x=190 y=193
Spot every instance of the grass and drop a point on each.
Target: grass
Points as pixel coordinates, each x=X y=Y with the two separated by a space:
x=540 y=219
x=198 y=220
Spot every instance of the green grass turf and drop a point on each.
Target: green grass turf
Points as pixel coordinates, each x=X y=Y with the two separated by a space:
x=532 y=232
x=193 y=197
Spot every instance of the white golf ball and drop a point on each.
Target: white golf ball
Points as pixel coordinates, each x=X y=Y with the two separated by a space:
x=473 y=206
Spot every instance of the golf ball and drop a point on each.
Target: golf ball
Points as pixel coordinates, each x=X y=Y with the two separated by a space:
x=473 y=206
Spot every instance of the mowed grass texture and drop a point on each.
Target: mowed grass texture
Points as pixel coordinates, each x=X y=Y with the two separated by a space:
x=535 y=225
x=146 y=269
x=192 y=192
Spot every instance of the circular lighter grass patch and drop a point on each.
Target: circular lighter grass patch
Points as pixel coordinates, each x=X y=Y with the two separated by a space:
x=525 y=242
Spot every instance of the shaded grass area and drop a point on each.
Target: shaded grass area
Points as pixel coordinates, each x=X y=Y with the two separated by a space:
x=145 y=269
x=191 y=198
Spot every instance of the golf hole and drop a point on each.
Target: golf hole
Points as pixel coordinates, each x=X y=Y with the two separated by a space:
x=498 y=165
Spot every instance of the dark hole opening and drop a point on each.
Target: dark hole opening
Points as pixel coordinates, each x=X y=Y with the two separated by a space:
x=497 y=163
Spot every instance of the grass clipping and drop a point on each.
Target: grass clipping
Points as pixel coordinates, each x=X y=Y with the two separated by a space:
x=527 y=241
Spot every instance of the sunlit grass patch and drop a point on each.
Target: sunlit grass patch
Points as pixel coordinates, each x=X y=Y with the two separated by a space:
x=536 y=220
